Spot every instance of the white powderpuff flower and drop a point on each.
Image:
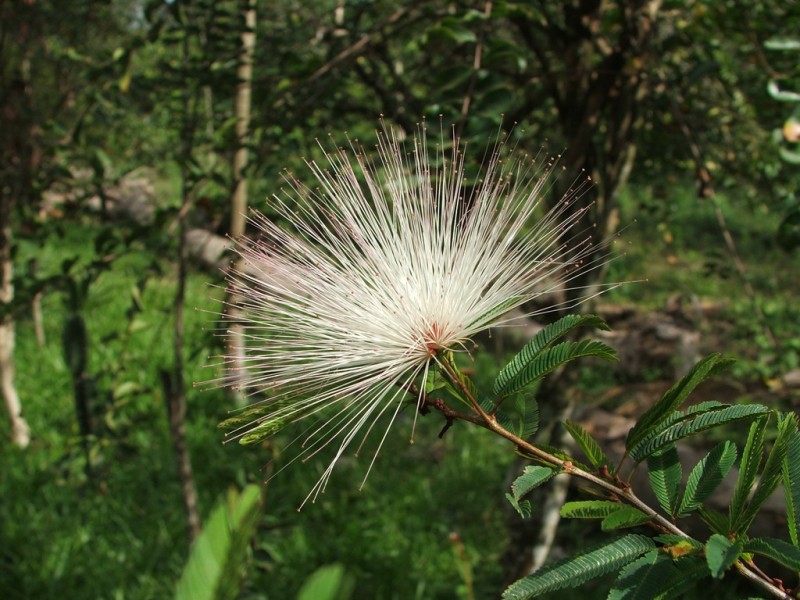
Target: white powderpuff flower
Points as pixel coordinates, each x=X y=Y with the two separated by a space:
x=348 y=300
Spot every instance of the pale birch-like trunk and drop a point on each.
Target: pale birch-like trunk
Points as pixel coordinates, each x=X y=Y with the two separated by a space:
x=244 y=76
x=20 y=432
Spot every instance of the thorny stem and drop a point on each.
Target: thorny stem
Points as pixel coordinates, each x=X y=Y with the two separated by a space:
x=624 y=492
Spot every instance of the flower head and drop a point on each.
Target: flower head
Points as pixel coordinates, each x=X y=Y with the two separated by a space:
x=382 y=267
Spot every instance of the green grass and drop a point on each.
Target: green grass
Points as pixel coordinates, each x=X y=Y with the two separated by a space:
x=675 y=246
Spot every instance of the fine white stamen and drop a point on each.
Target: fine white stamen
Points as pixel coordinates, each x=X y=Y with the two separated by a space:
x=383 y=266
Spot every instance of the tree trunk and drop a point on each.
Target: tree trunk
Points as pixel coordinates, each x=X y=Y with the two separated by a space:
x=244 y=75
x=174 y=385
x=18 y=158
x=20 y=432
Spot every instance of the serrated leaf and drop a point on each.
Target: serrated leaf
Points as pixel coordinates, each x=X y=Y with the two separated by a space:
x=261 y=432
x=752 y=456
x=523 y=508
x=579 y=569
x=540 y=341
x=770 y=476
x=655 y=576
x=721 y=553
x=532 y=477
x=791 y=484
x=674 y=398
x=527 y=417
x=665 y=474
x=687 y=427
x=642 y=578
x=706 y=406
x=707 y=475
x=550 y=359
x=588 y=444
x=490 y=315
x=625 y=516
x=589 y=509
x=246 y=417
x=689 y=570
x=777 y=550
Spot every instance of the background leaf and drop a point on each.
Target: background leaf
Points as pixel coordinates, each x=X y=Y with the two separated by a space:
x=214 y=568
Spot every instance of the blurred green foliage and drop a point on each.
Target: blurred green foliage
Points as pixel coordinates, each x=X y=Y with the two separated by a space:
x=101 y=85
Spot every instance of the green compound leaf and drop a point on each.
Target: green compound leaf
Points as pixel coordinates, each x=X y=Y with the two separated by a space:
x=523 y=507
x=589 y=509
x=655 y=576
x=497 y=311
x=791 y=484
x=589 y=445
x=261 y=432
x=577 y=570
x=705 y=407
x=664 y=472
x=246 y=417
x=526 y=411
x=674 y=397
x=721 y=553
x=777 y=550
x=752 y=455
x=686 y=427
x=770 y=476
x=550 y=359
x=707 y=475
x=540 y=341
x=256 y=423
x=626 y=516
x=532 y=477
